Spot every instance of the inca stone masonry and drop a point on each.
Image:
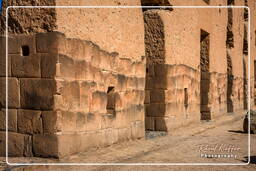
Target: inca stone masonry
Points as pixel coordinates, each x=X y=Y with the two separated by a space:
x=83 y=78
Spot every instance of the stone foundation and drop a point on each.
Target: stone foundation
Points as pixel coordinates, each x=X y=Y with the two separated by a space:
x=58 y=96
x=172 y=97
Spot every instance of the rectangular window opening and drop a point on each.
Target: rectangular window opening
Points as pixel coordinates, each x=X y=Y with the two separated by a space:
x=25 y=50
x=111 y=101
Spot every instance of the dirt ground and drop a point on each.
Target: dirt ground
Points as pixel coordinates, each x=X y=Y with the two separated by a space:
x=223 y=136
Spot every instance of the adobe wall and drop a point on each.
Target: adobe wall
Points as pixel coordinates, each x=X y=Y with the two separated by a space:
x=169 y=77
x=127 y=41
x=89 y=87
x=180 y=64
x=252 y=6
x=58 y=96
x=115 y=30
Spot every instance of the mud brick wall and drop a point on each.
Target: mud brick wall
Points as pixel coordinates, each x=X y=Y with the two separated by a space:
x=58 y=96
x=40 y=20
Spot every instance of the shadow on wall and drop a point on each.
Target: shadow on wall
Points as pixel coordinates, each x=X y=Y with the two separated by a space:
x=245 y=86
x=230 y=107
x=156 y=72
x=204 y=76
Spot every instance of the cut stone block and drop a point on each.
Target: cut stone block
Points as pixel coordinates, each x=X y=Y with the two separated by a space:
x=45 y=145
x=3 y=58
x=150 y=123
x=16 y=44
x=29 y=122
x=26 y=66
x=48 y=65
x=50 y=42
x=51 y=122
x=12 y=120
x=13 y=92
x=138 y=129
x=37 y=93
x=18 y=145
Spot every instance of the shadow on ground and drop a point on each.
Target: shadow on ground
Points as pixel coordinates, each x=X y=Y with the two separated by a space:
x=252 y=159
x=237 y=131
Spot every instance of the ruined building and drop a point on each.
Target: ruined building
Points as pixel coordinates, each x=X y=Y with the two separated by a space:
x=88 y=77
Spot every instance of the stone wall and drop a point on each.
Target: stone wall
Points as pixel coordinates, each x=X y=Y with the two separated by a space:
x=175 y=39
x=32 y=20
x=87 y=87
x=172 y=90
x=252 y=6
x=58 y=96
x=102 y=26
